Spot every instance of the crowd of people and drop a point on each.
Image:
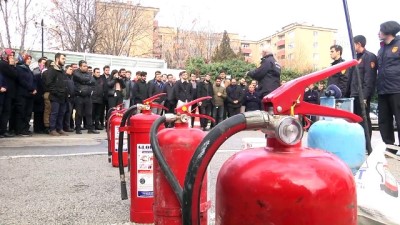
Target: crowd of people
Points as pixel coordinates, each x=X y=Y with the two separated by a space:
x=75 y=97
x=53 y=91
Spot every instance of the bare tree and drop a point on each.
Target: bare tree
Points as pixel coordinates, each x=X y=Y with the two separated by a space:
x=25 y=16
x=76 y=24
x=124 y=29
x=5 y=12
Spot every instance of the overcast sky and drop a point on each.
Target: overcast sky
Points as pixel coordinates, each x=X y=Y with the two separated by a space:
x=255 y=19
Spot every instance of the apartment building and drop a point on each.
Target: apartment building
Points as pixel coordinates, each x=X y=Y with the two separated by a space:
x=176 y=45
x=125 y=28
x=298 y=46
x=129 y=29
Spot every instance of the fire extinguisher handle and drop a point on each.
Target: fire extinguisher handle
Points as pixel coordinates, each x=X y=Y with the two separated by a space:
x=184 y=109
x=156 y=105
x=288 y=98
x=150 y=100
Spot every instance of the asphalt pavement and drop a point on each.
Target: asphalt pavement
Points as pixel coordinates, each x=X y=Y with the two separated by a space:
x=68 y=180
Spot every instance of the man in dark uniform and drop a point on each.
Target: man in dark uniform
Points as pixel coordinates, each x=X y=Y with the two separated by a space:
x=388 y=82
x=339 y=79
x=367 y=67
x=84 y=85
x=268 y=74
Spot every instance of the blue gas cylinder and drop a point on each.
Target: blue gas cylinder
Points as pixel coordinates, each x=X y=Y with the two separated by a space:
x=345 y=140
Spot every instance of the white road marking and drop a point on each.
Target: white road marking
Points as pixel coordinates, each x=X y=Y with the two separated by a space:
x=48 y=156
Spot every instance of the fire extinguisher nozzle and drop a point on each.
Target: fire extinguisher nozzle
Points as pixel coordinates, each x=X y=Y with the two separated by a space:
x=124 y=191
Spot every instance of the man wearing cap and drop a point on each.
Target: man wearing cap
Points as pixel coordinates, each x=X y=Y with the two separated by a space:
x=388 y=81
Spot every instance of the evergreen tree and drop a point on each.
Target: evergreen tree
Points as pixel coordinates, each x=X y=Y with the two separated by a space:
x=224 y=51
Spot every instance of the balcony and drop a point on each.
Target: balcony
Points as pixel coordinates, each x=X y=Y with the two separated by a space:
x=280 y=53
x=280 y=43
x=246 y=50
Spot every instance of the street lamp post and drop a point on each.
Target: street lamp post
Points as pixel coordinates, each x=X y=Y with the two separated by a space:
x=42 y=25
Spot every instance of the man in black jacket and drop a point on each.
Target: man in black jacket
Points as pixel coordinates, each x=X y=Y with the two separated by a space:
x=234 y=98
x=97 y=99
x=7 y=69
x=170 y=101
x=156 y=86
x=183 y=89
x=205 y=89
x=69 y=83
x=268 y=74
x=140 y=91
x=58 y=95
x=84 y=85
x=339 y=79
x=367 y=67
x=388 y=82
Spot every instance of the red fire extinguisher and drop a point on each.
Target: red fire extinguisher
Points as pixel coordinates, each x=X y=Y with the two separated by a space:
x=141 y=161
x=113 y=123
x=282 y=183
x=173 y=148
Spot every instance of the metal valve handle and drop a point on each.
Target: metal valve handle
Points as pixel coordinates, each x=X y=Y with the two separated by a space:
x=151 y=104
x=184 y=109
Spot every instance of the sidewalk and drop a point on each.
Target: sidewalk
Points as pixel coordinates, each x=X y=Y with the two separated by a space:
x=39 y=140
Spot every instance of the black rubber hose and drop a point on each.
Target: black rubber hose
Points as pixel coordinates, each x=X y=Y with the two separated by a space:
x=199 y=162
x=357 y=74
x=127 y=114
x=155 y=146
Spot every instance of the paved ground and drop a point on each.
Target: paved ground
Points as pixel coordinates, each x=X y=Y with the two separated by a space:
x=67 y=180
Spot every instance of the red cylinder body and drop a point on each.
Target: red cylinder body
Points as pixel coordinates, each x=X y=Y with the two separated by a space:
x=141 y=173
x=285 y=186
x=113 y=139
x=178 y=146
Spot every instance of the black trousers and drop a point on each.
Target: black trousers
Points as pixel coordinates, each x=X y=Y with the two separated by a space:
x=103 y=111
x=357 y=111
x=96 y=114
x=388 y=106
x=68 y=116
x=233 y=111
x=205 y=110
x=170 y=105
x=115 y=100
x=83 y=107
x=194 y=106
x=6 y=113
x=23 y=113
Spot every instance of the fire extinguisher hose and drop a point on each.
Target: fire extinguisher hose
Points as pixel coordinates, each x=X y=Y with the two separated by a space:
x=199 y=163
x=128 y=113
x=170 y=176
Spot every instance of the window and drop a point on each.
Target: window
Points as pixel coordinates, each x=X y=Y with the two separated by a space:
x=316 y=56
x=290 y=56
x=315 y=33
x=291 y=34
x=245 y=45
x=246 y=54
x=315 y=44
x=291 y=45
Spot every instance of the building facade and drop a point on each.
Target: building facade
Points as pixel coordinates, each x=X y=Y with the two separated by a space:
x=297 y=46
x=131 y=30
x=124 y=28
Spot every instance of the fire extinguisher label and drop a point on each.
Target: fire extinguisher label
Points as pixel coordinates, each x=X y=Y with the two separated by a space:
x=144 y=171
x=116 y=140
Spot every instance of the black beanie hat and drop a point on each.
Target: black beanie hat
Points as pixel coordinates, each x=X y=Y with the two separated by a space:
x=390 y=27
